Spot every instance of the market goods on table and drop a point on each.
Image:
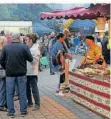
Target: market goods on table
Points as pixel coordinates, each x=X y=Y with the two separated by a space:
x=94 y=70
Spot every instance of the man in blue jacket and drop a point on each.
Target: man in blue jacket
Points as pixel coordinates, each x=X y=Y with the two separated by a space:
x=15 y=56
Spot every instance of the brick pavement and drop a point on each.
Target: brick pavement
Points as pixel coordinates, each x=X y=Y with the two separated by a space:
x=50 y=109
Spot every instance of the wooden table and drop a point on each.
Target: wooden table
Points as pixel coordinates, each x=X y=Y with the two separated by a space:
x=91 y=93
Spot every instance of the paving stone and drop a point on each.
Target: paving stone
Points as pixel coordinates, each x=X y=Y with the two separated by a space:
x=97 y=117
x=51 y=117
x=62 y=117
x=85 y=117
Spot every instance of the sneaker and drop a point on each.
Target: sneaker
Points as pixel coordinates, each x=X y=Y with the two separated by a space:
x=52 y=73
x=57 y=93
x=40 y=70
x=23 y=114
x=10 y=115
x=61 y=93
x=66 y=91
x=36 y=108
x=68 y=88
x=30 y=104
x=3 y=109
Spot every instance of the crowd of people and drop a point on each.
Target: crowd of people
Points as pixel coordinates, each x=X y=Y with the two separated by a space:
x=20 y=63
x=19 y=68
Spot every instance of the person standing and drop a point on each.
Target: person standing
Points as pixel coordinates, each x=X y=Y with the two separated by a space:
x=32 y=72
x=3 y=105
x=8 y=36
x=105 y=49
x=56 y=64
x=52 y=41
x=77 y=43
x=15 y=56
x=45 y=45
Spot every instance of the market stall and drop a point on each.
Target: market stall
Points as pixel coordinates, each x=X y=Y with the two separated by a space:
x=90 y=87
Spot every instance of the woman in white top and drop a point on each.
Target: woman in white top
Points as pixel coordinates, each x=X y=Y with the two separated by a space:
x=32 y=71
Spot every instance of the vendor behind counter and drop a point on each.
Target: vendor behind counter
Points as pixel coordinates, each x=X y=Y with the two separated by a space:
x=93 y=54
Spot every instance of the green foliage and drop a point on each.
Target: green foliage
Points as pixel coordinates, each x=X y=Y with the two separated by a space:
x=91 y=5
x=26 y=12
x=22 y=11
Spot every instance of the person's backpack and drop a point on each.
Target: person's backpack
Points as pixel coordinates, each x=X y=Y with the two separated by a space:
x=56 y=60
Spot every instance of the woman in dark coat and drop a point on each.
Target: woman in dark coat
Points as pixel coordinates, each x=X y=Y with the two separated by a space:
x=3 y=106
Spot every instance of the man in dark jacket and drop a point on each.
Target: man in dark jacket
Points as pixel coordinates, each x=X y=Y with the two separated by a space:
x=14 y=56
x=105 y=50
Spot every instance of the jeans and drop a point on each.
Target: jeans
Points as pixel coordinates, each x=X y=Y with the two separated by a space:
x=16 y=90
x=77 y=48
x=51 y=69
x=60 y=80
x=72 y=49
x=32 y=84
x=2 y=92
x=10 y=87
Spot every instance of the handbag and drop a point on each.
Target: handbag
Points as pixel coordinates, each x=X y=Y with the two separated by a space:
x=44 y=60
x=62 y=78
x=99 y=61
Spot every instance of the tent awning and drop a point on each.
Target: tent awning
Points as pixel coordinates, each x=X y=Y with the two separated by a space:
x=79 y=12
x=41 y=29
x=62 y=13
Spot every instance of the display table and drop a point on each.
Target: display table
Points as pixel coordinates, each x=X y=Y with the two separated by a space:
x=91 y=93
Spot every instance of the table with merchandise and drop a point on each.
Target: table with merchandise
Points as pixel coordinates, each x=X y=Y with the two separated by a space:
x=90 y=87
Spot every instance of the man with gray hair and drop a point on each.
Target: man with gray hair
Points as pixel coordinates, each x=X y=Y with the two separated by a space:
x=15 y=56
x=8 y=36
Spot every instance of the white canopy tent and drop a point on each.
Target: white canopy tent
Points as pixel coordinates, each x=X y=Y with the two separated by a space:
x=16 y=26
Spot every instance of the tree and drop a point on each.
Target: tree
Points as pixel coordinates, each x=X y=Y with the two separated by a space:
x=26 y=12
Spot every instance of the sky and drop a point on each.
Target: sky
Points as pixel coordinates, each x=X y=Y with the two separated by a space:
x=55 y=1
x=66 y=6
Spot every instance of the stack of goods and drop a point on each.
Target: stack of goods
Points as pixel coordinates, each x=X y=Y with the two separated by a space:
x=95 y=71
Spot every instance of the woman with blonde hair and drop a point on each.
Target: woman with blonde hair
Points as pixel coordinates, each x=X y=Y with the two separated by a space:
x=3 y=41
